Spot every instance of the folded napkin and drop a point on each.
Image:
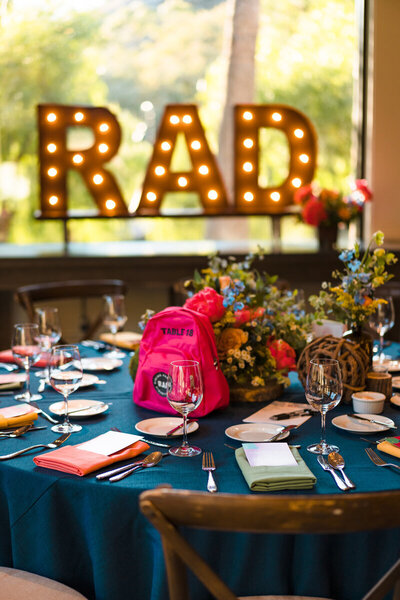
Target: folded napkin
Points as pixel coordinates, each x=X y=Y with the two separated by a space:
x=271 y=479
x=7 y=357
x=74 y=460
x=9 y=422
x=11 y=381
x=390 y=446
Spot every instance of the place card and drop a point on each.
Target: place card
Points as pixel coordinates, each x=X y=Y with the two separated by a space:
x=109 y=443
x=16 y=411
x=275 y=408
x=277 y=454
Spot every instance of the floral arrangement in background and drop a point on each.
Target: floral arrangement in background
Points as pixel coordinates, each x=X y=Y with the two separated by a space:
x=260 y=330
x=353 y=300
x=323 y=207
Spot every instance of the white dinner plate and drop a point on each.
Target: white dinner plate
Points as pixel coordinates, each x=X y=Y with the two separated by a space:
x=254 y=432
x=395 y=400
x=357 y=426
x=396 y=382
x=90 y=408
x=88 y=379
x=160 y=425
x=98 y=363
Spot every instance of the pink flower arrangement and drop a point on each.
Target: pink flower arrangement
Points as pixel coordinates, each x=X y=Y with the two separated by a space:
x=329 y=207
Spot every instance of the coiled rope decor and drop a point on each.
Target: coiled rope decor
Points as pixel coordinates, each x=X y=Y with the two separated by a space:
x=353 y=361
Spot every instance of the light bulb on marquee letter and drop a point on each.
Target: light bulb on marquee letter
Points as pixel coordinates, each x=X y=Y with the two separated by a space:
x=54 y=120
x=250 y=198
x=204 y=176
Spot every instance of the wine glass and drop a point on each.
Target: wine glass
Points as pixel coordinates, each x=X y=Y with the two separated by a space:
x=184 y=393
x=65 y=377
x=49 y=333
x=115 y=318
x=26 y=351
x=381 y=321
x=324 y=390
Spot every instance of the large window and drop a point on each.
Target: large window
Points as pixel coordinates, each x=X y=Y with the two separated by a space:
x=136 y=56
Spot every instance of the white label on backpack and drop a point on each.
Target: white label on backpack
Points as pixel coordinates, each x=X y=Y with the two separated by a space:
x=160 y=383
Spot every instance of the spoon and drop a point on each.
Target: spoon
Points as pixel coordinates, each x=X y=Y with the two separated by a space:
x=337 y=462
x=150 y=461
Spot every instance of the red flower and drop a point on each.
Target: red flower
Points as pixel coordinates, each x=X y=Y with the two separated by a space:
x=284 y=354
x=242 y=316
x=362 y=186
x=302 y=194
x=313 y=212
x=246 y=314
x=208 y=302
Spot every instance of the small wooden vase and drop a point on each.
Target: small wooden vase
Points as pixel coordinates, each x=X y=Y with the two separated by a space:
x=379 y=382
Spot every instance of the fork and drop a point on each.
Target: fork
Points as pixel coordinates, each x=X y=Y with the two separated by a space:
x=378 y=461
x=60 y=440
x=208 y=464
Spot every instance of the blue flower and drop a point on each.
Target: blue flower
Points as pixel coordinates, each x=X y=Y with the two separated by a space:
x=354 y=265
x=346 y=255
x=238 y=306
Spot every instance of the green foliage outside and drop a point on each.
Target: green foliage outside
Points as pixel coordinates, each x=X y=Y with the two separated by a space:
x=166 y=51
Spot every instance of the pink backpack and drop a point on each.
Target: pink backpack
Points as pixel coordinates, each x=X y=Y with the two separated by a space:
x=174 y=334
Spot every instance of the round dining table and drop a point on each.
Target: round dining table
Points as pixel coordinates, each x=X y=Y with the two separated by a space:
x=90 y=534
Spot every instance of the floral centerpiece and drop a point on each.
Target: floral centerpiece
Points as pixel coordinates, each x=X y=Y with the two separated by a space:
x=323 y=207
x=259 y=329
x=352 y=300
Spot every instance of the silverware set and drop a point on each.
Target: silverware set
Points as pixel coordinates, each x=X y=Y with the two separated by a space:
x=121 y=472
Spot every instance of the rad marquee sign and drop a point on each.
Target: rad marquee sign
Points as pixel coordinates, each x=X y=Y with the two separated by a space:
x=204 y=178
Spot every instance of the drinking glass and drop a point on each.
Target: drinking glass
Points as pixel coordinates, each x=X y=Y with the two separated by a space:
x=65 y=377
x=49 y=334
x=381 y=321
x=324 y=390
x=26 y=351
x=115 y=318
x=184 y=393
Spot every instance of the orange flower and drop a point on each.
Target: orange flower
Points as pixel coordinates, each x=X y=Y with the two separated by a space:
x=230 y=339
x=224 y=282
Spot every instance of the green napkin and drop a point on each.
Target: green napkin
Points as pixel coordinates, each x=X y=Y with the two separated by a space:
x=271 y=479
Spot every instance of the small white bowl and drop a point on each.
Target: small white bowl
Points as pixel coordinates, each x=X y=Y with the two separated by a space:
x=368 y=402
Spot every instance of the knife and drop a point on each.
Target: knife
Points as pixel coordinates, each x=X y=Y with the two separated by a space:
x=339 y=482
x=297 y=413
x=43 y=414
x=372 y=421
x=171 y=431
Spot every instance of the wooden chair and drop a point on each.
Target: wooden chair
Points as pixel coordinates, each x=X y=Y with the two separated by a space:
x=29 y=296
x=21 y=585
x=168 y=509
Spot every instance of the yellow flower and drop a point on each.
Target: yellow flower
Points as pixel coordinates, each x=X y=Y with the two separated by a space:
x=231 y=338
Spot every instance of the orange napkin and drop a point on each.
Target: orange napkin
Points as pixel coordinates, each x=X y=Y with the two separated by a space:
x=7 y=357
x=390 y=446
x=26 y=419
x=72 y=459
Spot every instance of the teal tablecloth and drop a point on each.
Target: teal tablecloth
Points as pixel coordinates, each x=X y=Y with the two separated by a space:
x=91 y=535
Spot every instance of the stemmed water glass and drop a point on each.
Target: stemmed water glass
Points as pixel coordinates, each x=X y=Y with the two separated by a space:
x=381 y=321
x=115 y=318
x=49 y=333
x=324 y=389
x=65 y=377
x=26 y=351
x=184 y=393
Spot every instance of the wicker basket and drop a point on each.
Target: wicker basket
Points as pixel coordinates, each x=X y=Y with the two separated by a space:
x=353 y=361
